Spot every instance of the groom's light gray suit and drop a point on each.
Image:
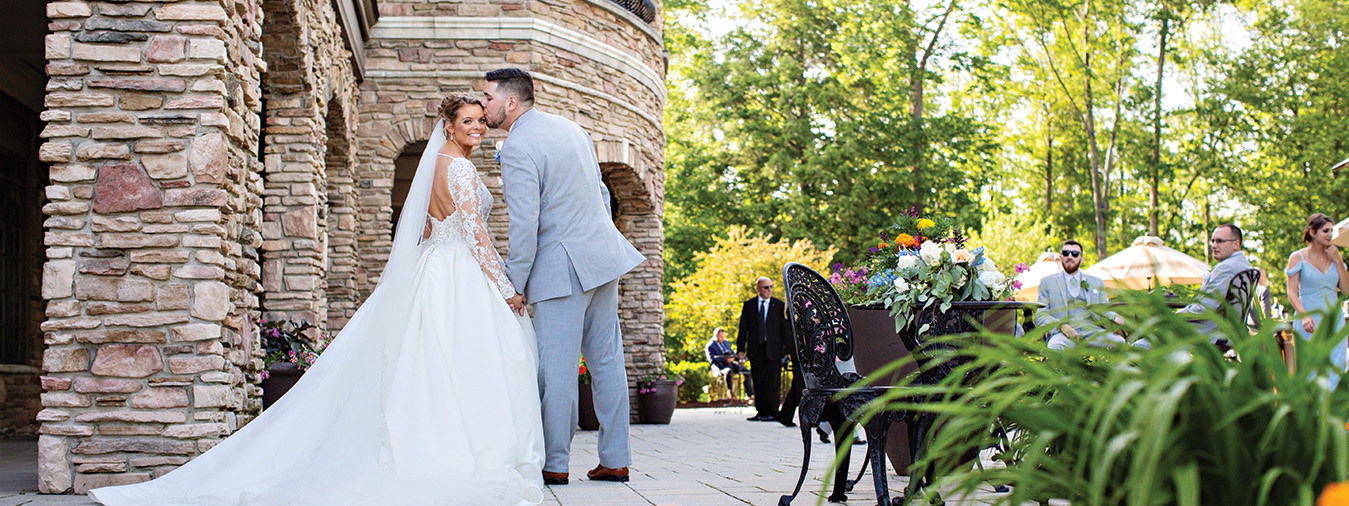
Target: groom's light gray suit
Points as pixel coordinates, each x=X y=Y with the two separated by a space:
x=565 y=257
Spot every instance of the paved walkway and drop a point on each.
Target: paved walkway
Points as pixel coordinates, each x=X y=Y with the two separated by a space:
x=705 y=457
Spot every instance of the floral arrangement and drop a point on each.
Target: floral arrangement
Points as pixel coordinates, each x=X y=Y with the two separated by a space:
x=647 y=384
x=583 y=374
x=282 y=344
x=924 y=263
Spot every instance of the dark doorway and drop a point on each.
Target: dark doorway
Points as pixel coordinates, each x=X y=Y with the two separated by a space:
x=23 y=180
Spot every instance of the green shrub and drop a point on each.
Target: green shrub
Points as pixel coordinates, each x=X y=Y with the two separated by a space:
x=696 y=377
x=1179 y=424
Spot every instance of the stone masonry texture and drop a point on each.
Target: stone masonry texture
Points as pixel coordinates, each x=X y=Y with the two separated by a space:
x=214 y=163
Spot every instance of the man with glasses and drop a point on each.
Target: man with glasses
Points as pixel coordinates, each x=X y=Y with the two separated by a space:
x=1226 y=246
x=763 y=333
x=1070 y=298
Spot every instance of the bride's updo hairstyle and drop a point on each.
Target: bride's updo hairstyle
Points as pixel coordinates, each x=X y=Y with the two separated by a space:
x=449 y=107
x=1314 y=223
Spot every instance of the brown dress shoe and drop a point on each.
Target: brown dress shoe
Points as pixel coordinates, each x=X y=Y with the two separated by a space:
x=554 y=478
x=601 y=473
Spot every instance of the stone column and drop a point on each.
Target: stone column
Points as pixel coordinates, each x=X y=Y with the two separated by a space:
x=151 y=268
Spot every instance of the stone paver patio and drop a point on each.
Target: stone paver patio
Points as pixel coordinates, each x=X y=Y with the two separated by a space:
x=705 y=457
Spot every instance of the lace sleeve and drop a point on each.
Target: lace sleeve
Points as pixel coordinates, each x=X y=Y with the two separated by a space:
x=464 y=191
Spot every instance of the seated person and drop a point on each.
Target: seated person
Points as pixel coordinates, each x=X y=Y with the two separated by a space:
x=724 y=360
x=1226 y=246
x=1067 y=297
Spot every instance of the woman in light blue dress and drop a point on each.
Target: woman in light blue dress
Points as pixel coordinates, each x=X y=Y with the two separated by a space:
x=1316 y=277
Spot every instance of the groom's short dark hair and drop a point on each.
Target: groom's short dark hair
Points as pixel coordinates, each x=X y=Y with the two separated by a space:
x=514 y=82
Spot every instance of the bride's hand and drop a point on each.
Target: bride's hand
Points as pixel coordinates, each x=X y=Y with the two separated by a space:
x=517 y=304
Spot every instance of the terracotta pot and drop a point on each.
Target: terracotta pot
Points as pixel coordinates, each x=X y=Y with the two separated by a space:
x=280 y=377
x=658 y=407
x=585 y=397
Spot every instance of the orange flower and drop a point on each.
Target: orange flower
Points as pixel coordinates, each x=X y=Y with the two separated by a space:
x=906 y=241
x=883 y=246
x=962 y=256
x=1335 y=494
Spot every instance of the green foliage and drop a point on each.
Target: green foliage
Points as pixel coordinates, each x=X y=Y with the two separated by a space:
x=1179 y=424
x=711 y=296
x=696 y=378
x=1017 y=238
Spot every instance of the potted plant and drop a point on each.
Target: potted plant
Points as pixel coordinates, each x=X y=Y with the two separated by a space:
x=919 y=281
x=288 y=352
x=658 y=394
x=585 y=397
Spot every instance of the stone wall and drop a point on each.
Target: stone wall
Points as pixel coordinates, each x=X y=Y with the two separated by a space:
x=151 y=269
x=198 y=182
x=308 y=83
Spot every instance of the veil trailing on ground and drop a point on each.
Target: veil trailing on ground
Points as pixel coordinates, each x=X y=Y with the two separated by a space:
x=329 y=440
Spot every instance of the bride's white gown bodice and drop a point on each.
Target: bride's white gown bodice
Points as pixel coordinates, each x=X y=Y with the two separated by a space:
x=445 y=414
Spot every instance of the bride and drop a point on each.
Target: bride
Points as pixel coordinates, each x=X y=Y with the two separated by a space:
x=429 y=396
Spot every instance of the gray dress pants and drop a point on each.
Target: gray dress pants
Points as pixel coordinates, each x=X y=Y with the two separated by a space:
x=566 y=327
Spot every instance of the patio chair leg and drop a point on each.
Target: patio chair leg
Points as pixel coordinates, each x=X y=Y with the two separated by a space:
x=843 y=439
x=786 y=500
x=860 y=472
x=918 y=430
x=877 y=430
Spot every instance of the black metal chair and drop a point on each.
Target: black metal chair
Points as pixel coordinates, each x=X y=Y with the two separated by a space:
x=823 y=338
x=1238 y=305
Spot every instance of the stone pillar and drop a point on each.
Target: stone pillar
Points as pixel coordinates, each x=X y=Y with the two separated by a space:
x=343 y=265
x=151 y=263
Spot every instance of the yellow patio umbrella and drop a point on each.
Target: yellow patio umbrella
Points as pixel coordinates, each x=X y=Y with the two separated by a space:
x=1341 y=237
x=1148 y=263
x=1047 y=264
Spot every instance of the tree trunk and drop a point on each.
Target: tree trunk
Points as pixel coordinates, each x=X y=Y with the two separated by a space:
x=1049 y=171
x=1098 y=194
x=1153 y=205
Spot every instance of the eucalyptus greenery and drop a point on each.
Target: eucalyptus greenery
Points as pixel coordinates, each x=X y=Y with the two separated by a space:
x=1180 y=424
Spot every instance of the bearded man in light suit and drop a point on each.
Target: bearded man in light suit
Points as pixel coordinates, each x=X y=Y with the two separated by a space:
x=1068 y=297
x=565 y=256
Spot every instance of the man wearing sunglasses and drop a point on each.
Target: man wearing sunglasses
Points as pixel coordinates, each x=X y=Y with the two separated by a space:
x=1226 y=246
x=1070 y=298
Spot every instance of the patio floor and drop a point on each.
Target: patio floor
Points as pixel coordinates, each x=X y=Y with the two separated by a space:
x=705 y=457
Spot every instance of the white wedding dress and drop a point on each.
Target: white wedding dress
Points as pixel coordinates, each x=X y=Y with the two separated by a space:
x=429 y=396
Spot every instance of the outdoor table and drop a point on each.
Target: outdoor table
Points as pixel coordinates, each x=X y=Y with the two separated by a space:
x=876 y=344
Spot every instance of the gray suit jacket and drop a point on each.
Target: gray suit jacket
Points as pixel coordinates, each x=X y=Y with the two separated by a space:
x=560 y=219
x=1214 y=290
x=1060 y=308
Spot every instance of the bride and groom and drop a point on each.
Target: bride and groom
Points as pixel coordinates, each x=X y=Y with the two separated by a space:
x=440 y=390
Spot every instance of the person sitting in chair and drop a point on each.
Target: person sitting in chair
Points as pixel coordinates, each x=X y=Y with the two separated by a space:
x=1226 y=246
x=1068 y=297
x=727 y=362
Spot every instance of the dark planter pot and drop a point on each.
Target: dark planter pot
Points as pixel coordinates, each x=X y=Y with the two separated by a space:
x=658 y=407
x=585 y=397
x=876 y=344
x=280 y=377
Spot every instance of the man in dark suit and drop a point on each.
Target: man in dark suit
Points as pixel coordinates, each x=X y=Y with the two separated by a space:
x=763 y=332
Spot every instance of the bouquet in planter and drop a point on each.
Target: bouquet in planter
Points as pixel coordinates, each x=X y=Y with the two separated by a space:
x=647 y=384
x=924 y=263
x=285 y=341
x=582 y=373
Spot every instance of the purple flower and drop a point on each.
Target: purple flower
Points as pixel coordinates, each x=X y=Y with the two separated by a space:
x=874 y=249
x=1016 y=285
x=835 y=278
x=1022 y=267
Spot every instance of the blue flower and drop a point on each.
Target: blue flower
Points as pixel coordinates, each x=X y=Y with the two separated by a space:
x=978 y=256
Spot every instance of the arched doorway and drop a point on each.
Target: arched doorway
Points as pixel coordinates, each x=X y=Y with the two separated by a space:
x=23 y=179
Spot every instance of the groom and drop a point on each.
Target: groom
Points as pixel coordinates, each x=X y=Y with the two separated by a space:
x=566 y=256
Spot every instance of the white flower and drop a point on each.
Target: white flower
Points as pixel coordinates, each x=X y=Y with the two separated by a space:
x=500 y=144
x=950 y=248
x=988 y=265
x=901 y=285
x=960 y=280
x=930 y=252
x=991 y=279
x=906 y=261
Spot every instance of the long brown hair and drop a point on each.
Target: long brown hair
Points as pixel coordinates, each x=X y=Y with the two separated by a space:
x=1314 y=223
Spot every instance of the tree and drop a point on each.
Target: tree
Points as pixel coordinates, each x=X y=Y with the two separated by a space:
x=710 y=297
